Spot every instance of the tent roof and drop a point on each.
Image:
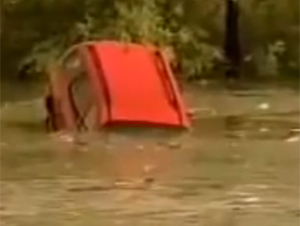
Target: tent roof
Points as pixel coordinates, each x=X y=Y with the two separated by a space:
x=134 y=85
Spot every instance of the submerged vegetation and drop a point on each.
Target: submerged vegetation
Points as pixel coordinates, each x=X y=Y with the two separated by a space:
x=194 y=29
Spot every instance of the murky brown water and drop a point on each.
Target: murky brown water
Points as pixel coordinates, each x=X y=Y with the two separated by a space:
x=238 y=165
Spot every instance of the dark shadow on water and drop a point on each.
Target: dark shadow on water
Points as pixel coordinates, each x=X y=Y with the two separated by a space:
x=248 y=84
x=138 y=129
x=276 y=125
x=12 y=91
x=26 y=126
x=290 y=113
x=246 y=126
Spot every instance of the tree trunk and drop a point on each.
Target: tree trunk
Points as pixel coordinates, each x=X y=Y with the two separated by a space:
x=232 y=43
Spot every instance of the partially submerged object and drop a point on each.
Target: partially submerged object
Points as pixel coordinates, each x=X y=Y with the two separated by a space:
x=98 y=84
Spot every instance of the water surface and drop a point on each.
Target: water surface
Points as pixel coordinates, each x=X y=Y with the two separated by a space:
x=237 y=165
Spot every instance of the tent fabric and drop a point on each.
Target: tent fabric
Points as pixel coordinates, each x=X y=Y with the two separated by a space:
x=135 y=84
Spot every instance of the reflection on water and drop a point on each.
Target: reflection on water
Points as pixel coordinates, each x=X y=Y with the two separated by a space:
x=238 y=165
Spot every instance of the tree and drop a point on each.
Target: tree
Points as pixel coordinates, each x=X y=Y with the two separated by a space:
x=194 y=29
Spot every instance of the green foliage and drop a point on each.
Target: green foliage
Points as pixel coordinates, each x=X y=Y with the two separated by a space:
x=41 y=29
x=265 y=24
x=140 y=21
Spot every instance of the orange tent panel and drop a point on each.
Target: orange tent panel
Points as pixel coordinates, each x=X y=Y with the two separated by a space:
x=137 y=85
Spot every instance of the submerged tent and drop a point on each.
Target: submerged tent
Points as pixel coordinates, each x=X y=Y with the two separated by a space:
x=105 y=83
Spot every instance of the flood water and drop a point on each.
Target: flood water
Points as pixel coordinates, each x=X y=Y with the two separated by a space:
x=237 y=166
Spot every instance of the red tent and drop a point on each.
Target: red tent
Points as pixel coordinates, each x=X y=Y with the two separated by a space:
x=104 y=83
